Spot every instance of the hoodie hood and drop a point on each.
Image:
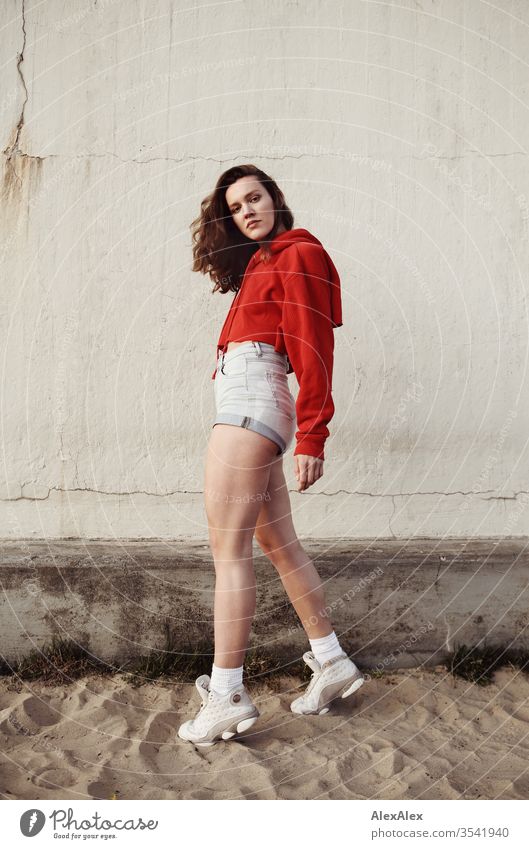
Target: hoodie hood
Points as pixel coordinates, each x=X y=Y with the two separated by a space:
x=296 y=236
x=291 y=237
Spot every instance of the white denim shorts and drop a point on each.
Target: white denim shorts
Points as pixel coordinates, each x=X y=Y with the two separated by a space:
x=252 y=391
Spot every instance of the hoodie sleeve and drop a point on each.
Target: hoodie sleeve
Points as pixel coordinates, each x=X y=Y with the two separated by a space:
x=309 y=341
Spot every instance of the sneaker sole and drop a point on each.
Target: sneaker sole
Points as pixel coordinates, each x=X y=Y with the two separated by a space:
x=353 y=688
x=227 y=734
x=330 y=694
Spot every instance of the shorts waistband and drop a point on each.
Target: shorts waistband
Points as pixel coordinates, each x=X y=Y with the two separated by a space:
x=260 y=348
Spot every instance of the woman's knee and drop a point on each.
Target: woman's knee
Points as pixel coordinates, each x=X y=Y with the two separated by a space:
x=266 y=541
x=230 y=544
x=277 y=548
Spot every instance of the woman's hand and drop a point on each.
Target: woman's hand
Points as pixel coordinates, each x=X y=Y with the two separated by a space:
x=307 y=469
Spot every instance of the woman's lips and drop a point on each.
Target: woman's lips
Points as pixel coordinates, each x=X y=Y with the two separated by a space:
x=252 y=224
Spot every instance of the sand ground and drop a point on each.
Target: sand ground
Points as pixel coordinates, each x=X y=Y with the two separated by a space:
x=411 y=734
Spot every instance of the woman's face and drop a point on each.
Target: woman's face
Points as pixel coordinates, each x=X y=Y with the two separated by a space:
x=249 y=202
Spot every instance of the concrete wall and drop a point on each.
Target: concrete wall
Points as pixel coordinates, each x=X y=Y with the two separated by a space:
x=398 y=133
x=392 y=603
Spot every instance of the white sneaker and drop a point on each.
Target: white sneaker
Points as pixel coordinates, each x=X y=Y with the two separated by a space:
x=220 y=717
x=336 y=677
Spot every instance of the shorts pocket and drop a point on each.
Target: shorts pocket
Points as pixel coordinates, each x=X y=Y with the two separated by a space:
x=234 y=369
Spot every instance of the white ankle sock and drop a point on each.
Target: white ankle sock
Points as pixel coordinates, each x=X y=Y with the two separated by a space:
x=325 y=648
x=224 y=680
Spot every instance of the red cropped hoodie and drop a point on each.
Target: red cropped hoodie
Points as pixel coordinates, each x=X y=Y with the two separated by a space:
x=293 y=302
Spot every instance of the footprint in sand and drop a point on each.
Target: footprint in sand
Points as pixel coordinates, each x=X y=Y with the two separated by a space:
x=54 y=777
x=201 y=794
x=521 y=787
x=161 y=728
x=39 y=712
x=103 y=790
x=29 y=718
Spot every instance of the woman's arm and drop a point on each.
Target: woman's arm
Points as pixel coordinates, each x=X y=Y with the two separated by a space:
x=309 y=341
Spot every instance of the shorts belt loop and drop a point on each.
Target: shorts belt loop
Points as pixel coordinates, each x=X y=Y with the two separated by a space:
x=258 y=348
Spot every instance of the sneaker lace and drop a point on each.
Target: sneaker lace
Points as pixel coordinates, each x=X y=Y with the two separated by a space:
x=205 y=700
x=311 y=683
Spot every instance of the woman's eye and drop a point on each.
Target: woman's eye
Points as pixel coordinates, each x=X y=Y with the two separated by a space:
x=237 y=208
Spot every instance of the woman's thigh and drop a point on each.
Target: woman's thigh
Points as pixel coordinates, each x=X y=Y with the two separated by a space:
x=237 y=472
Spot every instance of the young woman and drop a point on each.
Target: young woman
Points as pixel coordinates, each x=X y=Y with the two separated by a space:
x=281 y=320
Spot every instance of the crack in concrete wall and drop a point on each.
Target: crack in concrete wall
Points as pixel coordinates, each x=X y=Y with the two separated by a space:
x=189 y=157
x=391 y=495
x=13 y=150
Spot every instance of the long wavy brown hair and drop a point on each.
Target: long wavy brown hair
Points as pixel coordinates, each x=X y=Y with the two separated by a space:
x=219 y=247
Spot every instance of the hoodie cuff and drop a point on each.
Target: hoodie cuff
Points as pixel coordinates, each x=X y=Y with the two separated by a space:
x=310 y=445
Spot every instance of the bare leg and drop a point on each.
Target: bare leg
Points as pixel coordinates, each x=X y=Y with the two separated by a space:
x=276 y=536
x=236 y=480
